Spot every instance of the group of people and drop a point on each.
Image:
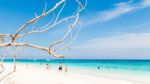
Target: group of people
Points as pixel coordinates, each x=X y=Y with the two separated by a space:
x=60 y=67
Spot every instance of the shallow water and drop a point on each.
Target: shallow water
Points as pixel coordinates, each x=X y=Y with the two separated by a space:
x=135 y=67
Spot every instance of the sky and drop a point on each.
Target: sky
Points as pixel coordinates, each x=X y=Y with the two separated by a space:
x=110 y=29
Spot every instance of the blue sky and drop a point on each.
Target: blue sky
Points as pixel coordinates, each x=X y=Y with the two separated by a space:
x=111 y=29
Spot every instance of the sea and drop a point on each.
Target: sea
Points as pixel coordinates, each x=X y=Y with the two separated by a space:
x=95 y=66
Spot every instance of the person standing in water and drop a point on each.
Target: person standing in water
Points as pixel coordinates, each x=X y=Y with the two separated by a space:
x=47 y=66
x=98 y=67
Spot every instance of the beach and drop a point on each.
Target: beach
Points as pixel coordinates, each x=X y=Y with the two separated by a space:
x=75 y=42
x=39 y=74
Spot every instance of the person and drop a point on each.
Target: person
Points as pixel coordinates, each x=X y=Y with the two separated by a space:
x=98 y=67
x=47 y=66
x=60 y=67
x=66 y=69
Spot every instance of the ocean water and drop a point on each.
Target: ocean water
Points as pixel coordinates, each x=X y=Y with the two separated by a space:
x=137 y=67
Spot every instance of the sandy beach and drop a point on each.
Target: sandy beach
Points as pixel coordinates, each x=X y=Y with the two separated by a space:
x=38 y=74
x=75 y=42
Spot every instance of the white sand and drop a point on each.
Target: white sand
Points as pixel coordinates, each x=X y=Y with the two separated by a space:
x=38 y=74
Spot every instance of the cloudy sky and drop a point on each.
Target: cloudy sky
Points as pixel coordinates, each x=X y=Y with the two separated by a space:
x=111 y=29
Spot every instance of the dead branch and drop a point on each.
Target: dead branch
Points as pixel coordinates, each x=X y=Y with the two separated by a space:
x=54 y=22
x=51 y=51
x=35 y=19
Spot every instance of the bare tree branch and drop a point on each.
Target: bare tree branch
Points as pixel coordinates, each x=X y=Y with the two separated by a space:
x=70 y=42
x=54 y=22
x=35 y=19
x=49 y=27
x=66 y=34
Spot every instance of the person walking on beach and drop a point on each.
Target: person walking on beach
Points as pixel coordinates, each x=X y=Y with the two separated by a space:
x=60 y=68
x=66 y=69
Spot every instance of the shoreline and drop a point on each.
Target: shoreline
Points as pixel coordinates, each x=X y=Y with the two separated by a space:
x=33 y=71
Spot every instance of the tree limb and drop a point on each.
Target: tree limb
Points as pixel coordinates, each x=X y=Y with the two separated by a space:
x=35 y=19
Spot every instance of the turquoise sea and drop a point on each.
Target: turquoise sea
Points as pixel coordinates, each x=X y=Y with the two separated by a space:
x=137 y=67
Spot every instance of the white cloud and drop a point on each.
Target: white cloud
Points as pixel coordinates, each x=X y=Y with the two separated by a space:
x=119 y=9
x=128 y=45
x=124 y=45
x=145 y=3
x=124 y=41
